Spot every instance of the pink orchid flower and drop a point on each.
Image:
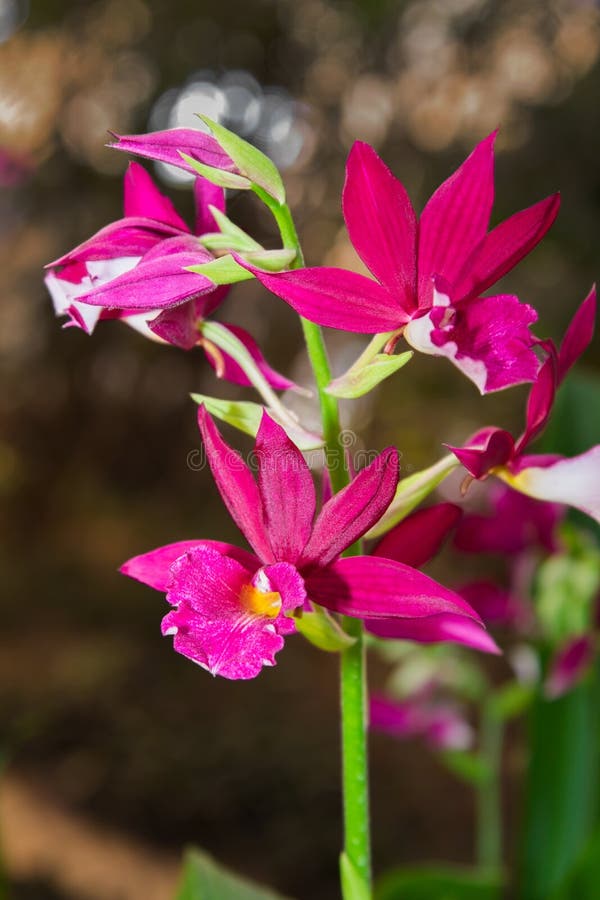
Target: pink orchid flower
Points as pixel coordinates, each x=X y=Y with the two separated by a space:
x=168 y=145
x=414 y=542
x=441 y=723
x=133 y=270
x=232 y=608
x=570 y=664
x=430 y=274
x=576 y=481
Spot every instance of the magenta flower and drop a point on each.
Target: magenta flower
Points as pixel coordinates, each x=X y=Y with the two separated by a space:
x=232 y=608
x=570 y=664
x=414 y=542
x=133 y=270
x=552 y=478
x=441 y=723
x=429 y=274
x=512 y=524
x=167 y=146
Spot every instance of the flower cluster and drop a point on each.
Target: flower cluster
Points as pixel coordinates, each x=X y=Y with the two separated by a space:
x=230 y=608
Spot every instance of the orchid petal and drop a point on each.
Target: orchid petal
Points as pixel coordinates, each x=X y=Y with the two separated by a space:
x=578 y=336
x=206 y=195
x=369 y=587
x=352 y=511
x=569 y=665
x=334 y=298
x=456 y=217
x=166 y=146
x=381 y=222
x=157 y=282
x=488 y=339
x=575 y=482
x=237 y=487
x=154 y=568
x=418 y=538
x=286 y=489
x=505 y=246
x=133 y=236
x=515 y=523
x=489 y=448
x=213 y=624
x=142 y=198
x=433 y=629
x=539 y=404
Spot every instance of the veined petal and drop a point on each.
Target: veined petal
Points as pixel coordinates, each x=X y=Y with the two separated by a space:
x=232 y=371
x=486 y=450
x=334 y=298
x=578 y=336
x=456 y=218
x=381 y=223
x=352 y=511
x=155 y=283
x=433 y=629
x=133 y=236
x=237 y=487
x=154 y=568
x=369 y=587
x=539 y=404
x=419 y=537
x=505 y=246
x=286 y=489
x=166 y=146
x=143 y=198
x=575 y=482
x=226 y=618
x=207 y=194
x=488 y=339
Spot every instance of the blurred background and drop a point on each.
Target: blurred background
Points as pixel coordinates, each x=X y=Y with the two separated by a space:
x=116 y=751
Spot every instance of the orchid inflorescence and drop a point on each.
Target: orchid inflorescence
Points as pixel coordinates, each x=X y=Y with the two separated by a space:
x=308 y=569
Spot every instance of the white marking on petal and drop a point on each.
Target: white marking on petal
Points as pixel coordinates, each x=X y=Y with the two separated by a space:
x=575 y=482
x=261 y=581
x=172 y=630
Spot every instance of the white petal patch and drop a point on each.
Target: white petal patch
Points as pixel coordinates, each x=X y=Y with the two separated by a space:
x=575 y=482
x=418 y=334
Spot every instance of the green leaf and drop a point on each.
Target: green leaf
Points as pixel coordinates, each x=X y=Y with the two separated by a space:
x=583 y=879
x=217 y=176
x=439 y=883
x=243 y=415
x=469 y=767
x=229 y=228
x=512 y=700
x=204 y=879
x=257 y=167
x=353 y=884
x=359 y=381
x=323 y=631
x=562 y=787
x=225 y=270
x=565 y=592
x=411 y=491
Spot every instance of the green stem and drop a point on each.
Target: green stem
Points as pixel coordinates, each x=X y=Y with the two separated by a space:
x=489 y=814
x=355 y=782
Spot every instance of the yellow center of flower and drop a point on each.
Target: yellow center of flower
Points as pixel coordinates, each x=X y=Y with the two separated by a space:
x=260 y=603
